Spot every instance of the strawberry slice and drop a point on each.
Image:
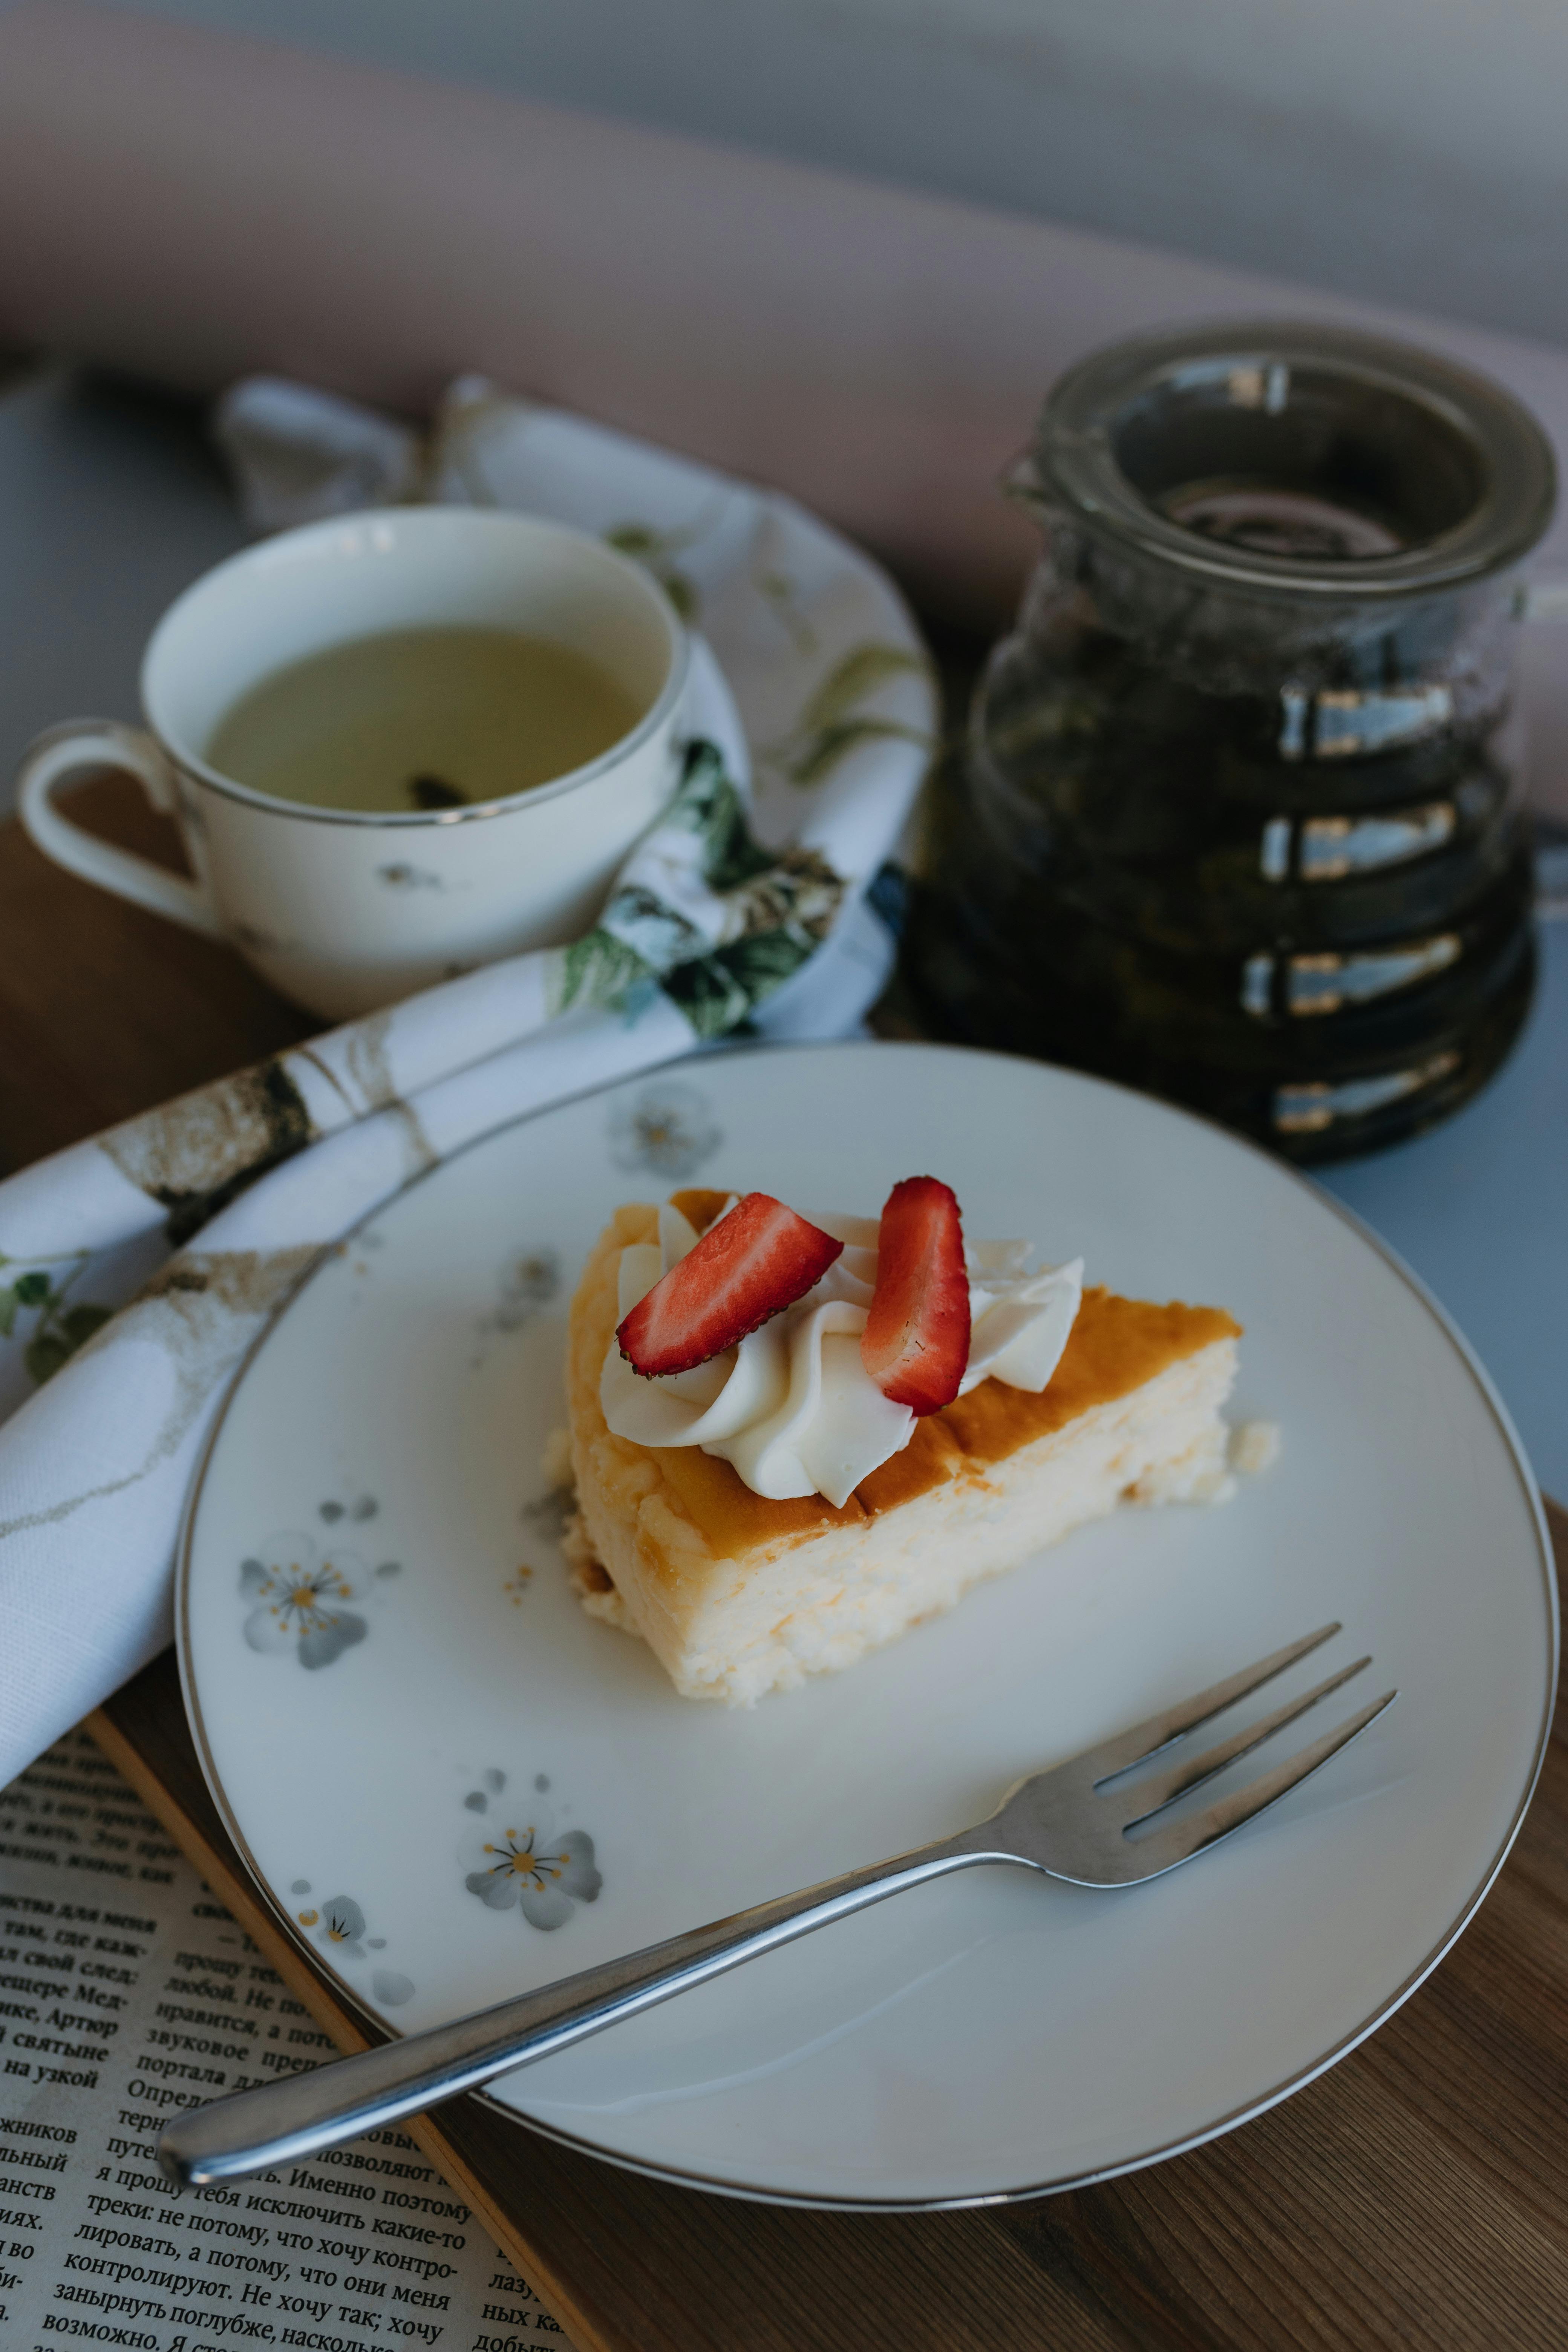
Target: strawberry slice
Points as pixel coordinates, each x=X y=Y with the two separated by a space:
x=745 y=1269
x=916 y=1341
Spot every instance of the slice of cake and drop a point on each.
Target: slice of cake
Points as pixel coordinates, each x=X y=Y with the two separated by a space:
x=1065 y=1408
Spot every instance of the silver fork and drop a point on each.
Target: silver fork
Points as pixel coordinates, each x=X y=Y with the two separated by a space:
x=1073 y=1822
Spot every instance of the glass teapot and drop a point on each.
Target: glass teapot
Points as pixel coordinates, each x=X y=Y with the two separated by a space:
x=1239 y=820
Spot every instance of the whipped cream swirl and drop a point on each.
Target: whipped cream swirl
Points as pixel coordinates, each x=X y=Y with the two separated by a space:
x=792 y=1407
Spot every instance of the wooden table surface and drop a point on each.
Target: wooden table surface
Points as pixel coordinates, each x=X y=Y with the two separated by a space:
x=1415 y=2196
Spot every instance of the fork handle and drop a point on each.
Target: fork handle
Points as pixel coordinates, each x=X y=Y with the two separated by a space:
x=280 y=2123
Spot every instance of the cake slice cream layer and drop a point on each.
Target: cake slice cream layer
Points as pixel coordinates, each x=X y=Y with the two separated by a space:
x=737 y=1595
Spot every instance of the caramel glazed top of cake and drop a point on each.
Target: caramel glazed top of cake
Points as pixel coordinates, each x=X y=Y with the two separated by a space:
x=1116 y=1345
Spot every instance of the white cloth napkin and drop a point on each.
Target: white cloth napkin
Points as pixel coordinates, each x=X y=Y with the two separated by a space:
x=136 y=1269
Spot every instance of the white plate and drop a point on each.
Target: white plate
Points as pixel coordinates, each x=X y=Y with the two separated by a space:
x=995 y=2034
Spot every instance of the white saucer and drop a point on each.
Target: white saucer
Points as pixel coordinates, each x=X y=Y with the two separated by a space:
x=993 y=2036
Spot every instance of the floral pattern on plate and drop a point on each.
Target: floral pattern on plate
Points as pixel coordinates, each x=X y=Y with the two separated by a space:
x=529 y=1280
x=302 y=1593
x=339 y=1925
x=667 y=1130
x=301 y=1598
x=530 y=1868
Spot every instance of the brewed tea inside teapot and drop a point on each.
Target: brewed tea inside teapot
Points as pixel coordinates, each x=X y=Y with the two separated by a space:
x=1238 y=816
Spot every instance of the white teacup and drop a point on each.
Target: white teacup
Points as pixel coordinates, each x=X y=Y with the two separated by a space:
x=340 y=909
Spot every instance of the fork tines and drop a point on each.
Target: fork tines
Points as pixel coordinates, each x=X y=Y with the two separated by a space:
x=1179 y=1839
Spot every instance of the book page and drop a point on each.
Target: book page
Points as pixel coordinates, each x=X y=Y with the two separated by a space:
x=127 y=1993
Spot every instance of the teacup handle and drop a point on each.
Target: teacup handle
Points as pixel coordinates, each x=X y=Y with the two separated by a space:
x=103 y=743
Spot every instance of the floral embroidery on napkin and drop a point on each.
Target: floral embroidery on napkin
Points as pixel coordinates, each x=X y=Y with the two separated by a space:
x=703 y=911
x=61 y=1325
